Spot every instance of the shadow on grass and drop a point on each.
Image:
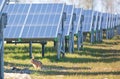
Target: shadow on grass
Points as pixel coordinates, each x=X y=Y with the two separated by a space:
x=60 y=70
x=14 y=64
x=78 y=73
x=100 y=52
x=105 y=55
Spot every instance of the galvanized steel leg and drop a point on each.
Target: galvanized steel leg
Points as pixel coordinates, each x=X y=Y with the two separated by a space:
x=1 y=55
x=92 y=37
x=66 y=44
x=43 y=47
x=71 y=43
x=30 y=49
x=60 y=46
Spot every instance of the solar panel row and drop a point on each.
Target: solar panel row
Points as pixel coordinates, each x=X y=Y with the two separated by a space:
x=46 y=21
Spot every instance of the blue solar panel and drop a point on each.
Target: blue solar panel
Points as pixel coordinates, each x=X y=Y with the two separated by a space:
x=116 y=21
x=105 y=21
x=99 y=20
x=33 y=20
x=1 y=4
x=88 y=20
x=109 y=21
x=17 y=14
x=113 y=18
x=69 y=9
x=77 y=25
x=95 y=25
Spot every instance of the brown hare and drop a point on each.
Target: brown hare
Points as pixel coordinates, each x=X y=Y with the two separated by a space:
x=36 y=64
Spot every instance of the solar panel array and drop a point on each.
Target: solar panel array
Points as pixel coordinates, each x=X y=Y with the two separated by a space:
x=44 y=20
x=54 y=21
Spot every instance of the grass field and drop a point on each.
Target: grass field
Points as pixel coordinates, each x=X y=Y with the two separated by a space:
x=94 y=61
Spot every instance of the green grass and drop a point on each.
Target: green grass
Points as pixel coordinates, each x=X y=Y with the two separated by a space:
x=94 y=61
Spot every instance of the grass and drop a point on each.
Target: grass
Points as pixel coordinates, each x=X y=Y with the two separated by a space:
x=94 y=61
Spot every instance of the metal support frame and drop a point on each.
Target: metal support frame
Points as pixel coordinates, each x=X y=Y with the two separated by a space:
x=71 y=42
x=61 y=39
x=43 y=43
x=118 y=30
x=80 y=40
x=55 y=44
x=3 y=22
x=97 y=35
x=97 y=31
x=107 y=33
x=92 y=37
x=66 y=43
x=101 y=35
x=60 y=46
x=30 y=49
x=80 y=37
x=1 y=53
x=71 y=35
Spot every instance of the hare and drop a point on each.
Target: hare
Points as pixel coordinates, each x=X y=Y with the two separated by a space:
x=36 y=64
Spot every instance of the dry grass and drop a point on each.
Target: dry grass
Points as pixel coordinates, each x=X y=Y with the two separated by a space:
x=97 y=61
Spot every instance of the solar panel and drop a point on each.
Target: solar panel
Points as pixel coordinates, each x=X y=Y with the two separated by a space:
x=1 y=4
x=77 y=25
x=109 y=21
x=113 y=20
x=33 y=20
x=116 y=23
x=100 y=18
x=17 y=14
x=69 y=9
x=95 y=24
x=105 y=21
x=88 y=20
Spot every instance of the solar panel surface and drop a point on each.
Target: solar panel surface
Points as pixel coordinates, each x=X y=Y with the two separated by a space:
x=88 y=20
x=69 y=9
x=77 y=22
x=33 y=20
x=100 y=20
x=105 y=21
x=95 y=25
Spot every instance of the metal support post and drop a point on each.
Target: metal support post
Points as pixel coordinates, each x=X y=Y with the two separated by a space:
x=107 y=34
x=66 y=44
x=30 y=49
x=92 y=36
x=61 y=39
x=3 y=23
x=43 y=47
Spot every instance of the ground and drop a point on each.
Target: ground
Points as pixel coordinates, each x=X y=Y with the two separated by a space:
x=94 y=61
